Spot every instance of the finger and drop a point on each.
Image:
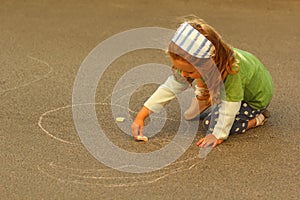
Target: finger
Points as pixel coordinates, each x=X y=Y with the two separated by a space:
x=207 y=143
x=204 y=143
x=218 y=142
x=141 y=133
x=200 y=141
x=135 y=130
x=215 y=143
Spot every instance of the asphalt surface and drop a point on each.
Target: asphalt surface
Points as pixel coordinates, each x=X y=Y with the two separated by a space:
x=43 y=44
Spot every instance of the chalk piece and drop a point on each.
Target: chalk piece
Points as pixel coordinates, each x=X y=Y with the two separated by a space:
x=120 y=119
x=141 y=138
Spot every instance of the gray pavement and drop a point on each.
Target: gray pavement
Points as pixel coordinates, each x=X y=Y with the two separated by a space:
x=43 y=44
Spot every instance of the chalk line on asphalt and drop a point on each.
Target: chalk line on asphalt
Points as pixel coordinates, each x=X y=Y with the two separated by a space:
x=87 y=176
x=33 y=81
x=77 y=175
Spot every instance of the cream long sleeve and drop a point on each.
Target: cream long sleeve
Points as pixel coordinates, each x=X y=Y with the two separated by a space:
x=227 y=113
x=165 y=93
x=168 y=90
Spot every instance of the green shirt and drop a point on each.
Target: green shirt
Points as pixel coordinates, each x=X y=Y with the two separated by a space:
x=252 y=84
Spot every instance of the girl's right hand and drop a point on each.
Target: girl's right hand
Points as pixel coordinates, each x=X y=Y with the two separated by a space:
x=137 y=127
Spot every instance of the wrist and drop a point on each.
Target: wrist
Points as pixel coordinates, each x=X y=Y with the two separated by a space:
x=143 y=114
x=201 y=91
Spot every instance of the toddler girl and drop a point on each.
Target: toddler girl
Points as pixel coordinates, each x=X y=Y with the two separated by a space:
x=233 y=83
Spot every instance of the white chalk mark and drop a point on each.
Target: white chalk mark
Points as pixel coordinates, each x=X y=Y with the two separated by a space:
x=168 y=174
x=47 y=132
x=52 y=165
x=142 y=179
x=85 y=104
x=61 y=108
x=193 y=166
x=81 y=174
x=119 y=6
x=47 y=174
x=70 y=106
x=33 y=81
x=93 y=171
x=183 y=161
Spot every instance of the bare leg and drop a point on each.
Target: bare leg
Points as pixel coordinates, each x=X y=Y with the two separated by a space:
x=251 y=123
x=201 y=84
x=200 y=103
x=258 y=121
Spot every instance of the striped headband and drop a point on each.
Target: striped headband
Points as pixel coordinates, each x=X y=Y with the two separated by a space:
x=192 y=41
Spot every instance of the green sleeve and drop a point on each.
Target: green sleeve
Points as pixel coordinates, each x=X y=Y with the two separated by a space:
x=233 y=88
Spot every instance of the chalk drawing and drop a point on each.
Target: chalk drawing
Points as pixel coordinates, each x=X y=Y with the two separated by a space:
x=104 y=178
x=50 y=69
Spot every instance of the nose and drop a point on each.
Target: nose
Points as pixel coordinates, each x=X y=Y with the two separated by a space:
x=184 y=74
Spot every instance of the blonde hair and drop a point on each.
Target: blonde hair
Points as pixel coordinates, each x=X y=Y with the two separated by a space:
x=223 y=54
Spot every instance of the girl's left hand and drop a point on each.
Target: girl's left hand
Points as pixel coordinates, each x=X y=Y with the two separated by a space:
x=208 y=140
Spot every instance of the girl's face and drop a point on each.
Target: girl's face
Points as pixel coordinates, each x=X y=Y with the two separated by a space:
x=187 y=70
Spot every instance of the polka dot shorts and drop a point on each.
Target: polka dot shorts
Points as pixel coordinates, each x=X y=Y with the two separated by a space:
x=240 y=124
